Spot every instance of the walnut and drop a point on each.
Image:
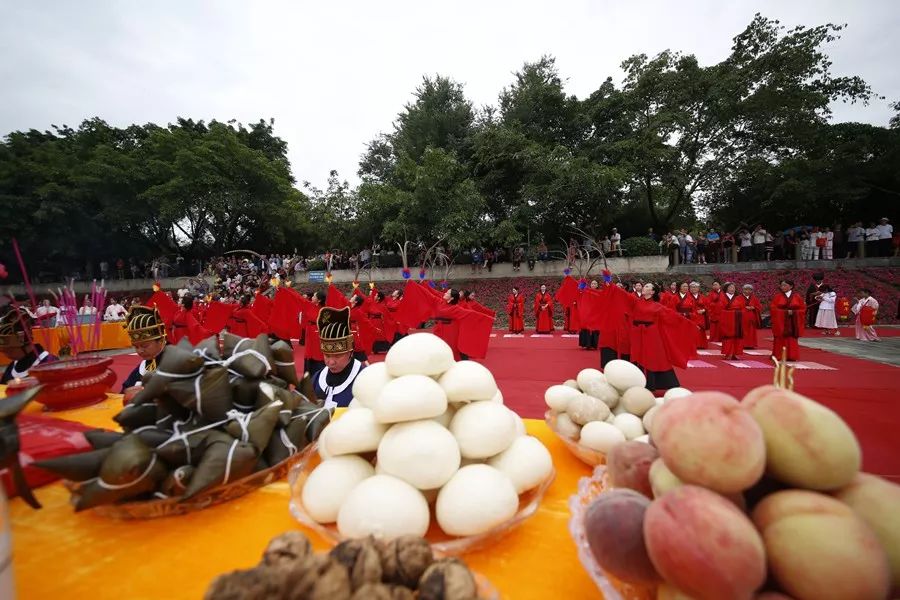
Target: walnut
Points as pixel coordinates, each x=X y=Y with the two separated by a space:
x=405 y=559
x=261 y=582
x=362 y=559
x=318 y=577
x=382 y=591
x=287 y=549
x=447 y=579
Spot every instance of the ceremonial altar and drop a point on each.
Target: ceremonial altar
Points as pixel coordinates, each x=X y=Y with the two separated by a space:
x=60 y=553
x=111 y=336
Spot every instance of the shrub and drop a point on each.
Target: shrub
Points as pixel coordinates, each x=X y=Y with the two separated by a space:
x=640 y=246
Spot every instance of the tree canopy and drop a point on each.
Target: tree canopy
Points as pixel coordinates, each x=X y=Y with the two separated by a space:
x=675 y=143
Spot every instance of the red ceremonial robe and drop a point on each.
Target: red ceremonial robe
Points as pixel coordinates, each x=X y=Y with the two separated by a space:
x=165 y=305
x=245 y=323
x=788 y=318
x=543 y=313
x=752 y=320
x=284 y=320
x=731 y=325
x=515 y=308
x=185 y=324
x=393 y=305
x=660 y=338
x=309 y=314
x=262 y=307
x=614 y=327
x=714 y=301
x=382 y=321
x=465 y=331
x=701 y=319
x=217 y=315
x=668 y=299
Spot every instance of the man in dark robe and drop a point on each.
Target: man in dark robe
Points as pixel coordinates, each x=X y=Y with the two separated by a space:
x=334 y=383
x=812 y=301
x=17 y=344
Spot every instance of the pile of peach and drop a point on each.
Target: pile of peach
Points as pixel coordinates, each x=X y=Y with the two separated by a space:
x=761 y=498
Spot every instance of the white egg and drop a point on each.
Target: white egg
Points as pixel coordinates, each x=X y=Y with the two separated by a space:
x=630 y=425
x=409 y=398
x=422 y=453
x=468 y=381
x=476 y=499
x=483 y=429
x=368 y=384
x=526 y=462
x=558 y=397
x=601 y=436
x=498 y=397
x=585 y=409
x=567 y=427
x=638 y=400
x=384 y=507
x=354 y=432
x=676 y=392
x=586 y=376
x=572 y=384
x=622 y=375
x=603 y=392
x=330 y=483
x=419 y=354
x=322 y=445
x=648 y=417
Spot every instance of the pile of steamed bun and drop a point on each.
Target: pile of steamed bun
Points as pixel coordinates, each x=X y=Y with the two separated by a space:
x=423 y=429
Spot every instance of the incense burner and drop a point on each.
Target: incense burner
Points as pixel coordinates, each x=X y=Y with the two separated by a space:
x=75 y=382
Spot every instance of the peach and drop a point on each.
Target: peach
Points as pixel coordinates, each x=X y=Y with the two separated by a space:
x=709 y=439
x=807 y=445
x=628 y=465
x=661 y=478
x=877 y=502
x=614 y=524
x=818 y=548
x=703 y=545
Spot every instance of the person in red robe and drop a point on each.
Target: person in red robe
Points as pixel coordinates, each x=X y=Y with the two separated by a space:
x=472 y=304
x=515 y=308
x=669 y=297
x=788 y=313
x=314 y=360
x=637 y=288
x=363 y=331
x=731 y=322
x=392 y=304
x=185 y=324
x=613 y=329
x=713 y=299
x=382 y=321
x=244 y=322
x=543 y=311
x=752 y=316
x=660 y=338
x=700 y=315
x=587 y=338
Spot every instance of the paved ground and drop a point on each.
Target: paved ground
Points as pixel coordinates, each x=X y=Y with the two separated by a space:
x=886 y=351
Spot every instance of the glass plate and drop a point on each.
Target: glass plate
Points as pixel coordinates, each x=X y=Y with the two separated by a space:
x=583 y=453
x=590 y=488
x=441 y=543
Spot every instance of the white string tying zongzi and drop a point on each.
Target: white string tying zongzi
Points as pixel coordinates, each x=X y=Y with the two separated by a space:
x=182 y=436
x=243 y=420
x=198 y=394
x=122 y=486
x=280 y=363
x=178 y=375
x=249 y=352
x=291 y=448
x=310 y=416
x=228 y=460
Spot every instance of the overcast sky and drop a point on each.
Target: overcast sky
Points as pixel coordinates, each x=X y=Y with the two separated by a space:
x=335 y=74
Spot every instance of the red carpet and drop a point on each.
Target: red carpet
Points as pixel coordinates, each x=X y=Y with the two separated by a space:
x=862 y=392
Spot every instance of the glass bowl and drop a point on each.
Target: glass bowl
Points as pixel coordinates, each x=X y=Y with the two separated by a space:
x=589 y=488
x=441 y=543
x=582 y=453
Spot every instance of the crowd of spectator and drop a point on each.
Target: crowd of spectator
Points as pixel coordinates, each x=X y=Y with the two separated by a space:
x=806 y=243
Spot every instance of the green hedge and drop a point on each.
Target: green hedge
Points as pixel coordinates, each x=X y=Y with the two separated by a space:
x=640 y=246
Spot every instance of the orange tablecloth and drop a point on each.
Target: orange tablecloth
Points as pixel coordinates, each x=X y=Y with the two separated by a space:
x=58 y=553
x=112 y=335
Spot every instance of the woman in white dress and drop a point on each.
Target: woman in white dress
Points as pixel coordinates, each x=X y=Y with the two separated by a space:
x=865 y=301
x=825 y=319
